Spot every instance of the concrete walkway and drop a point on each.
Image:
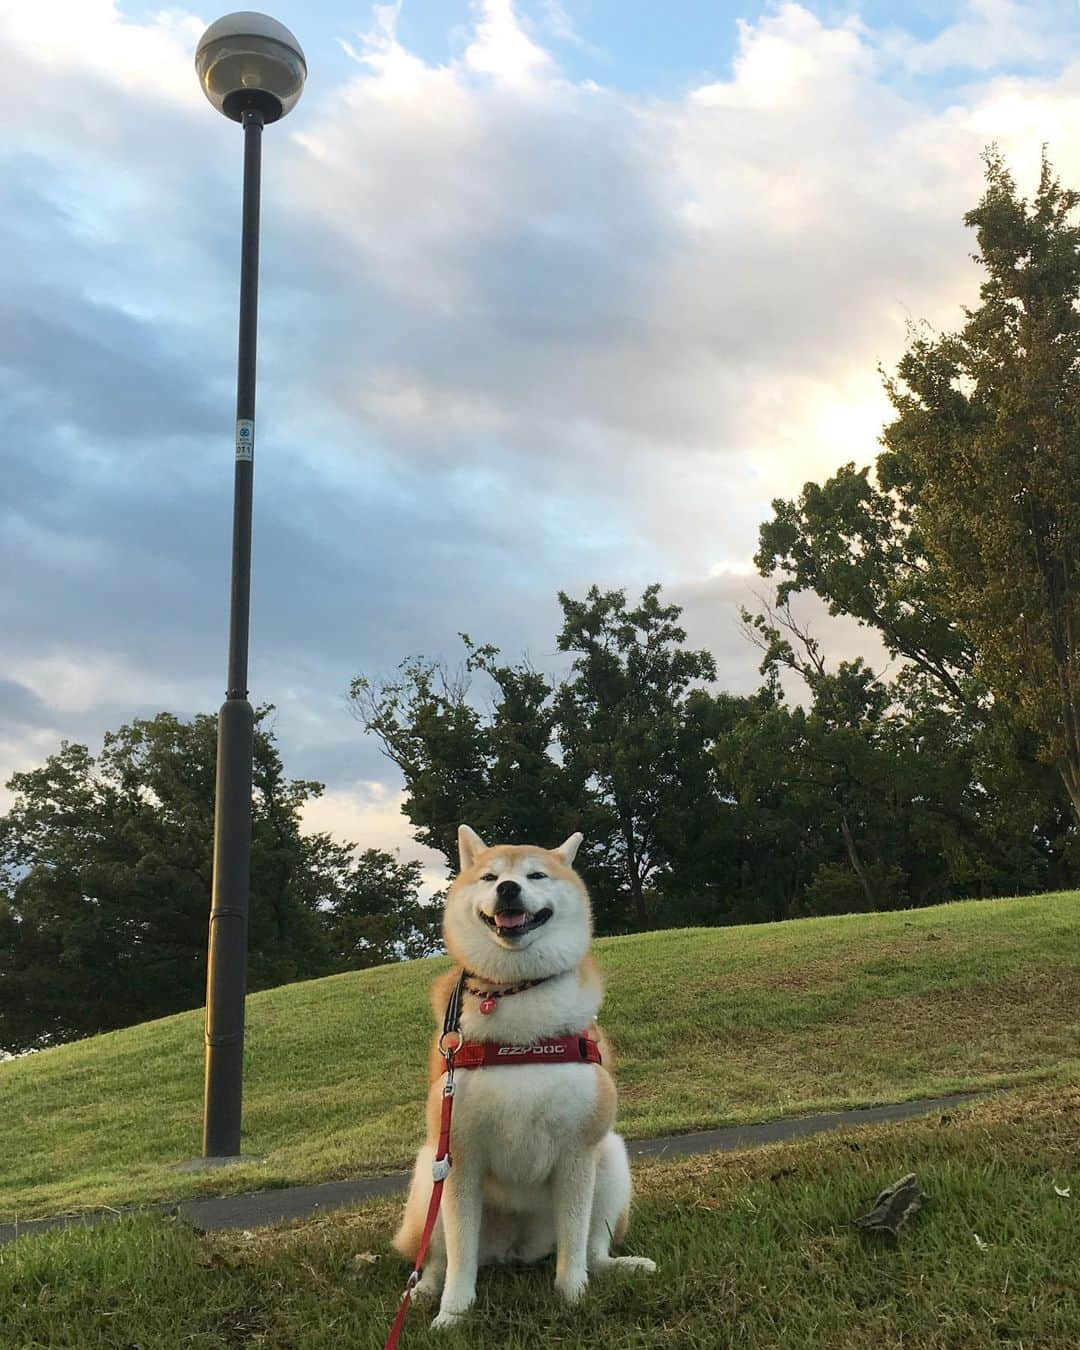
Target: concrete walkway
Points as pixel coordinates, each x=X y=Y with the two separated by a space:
x=256 y=1209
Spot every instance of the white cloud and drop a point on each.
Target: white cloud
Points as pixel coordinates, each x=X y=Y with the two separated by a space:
x=92 y=36
x=502 y=49
x=988 y=33
x=573 y=333
x=657 y=295
x=74 y=681
x=369 y=814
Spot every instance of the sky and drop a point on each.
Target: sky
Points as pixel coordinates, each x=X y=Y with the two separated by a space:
x=553 y=293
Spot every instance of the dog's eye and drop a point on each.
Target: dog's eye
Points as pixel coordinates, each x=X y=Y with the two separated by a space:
x=536 y=876
x=489 y=876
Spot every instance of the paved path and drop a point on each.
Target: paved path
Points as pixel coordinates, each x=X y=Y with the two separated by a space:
x=255 y=1209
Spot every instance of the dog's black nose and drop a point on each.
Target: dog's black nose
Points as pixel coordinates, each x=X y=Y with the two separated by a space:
x=507 y=896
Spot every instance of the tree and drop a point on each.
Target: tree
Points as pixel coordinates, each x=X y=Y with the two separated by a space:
x=964 y=553
x=879 y=795
x=986 y=442
x=105 y=876
x=499 y=770
x=372 y=914
x=617 y=749
x=632 y=730
x=854 y=542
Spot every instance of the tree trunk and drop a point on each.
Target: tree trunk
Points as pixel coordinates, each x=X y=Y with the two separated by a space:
x=856 y=862
x=633 y=874
x=1069 y=768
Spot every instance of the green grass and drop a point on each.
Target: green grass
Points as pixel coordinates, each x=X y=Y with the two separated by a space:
x=755 y=1250
x=710 y=1026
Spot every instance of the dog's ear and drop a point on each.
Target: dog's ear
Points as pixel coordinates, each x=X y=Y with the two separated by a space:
x=568 y=851
x=470 y=846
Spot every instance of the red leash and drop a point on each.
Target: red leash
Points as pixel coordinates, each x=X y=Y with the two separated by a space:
x=476 y=1055
x=440 y=1171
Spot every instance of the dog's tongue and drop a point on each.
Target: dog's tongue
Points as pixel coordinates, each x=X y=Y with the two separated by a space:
x=510 y=920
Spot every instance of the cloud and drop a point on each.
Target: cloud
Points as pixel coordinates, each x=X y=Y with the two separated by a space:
x=502 y=49
x=20 y=706
x=519 y=331
x=372 y=812
x=91 y=39
x=695 y=290
x=987 y=34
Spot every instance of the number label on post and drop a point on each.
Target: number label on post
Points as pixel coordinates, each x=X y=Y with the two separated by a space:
x=245 y=439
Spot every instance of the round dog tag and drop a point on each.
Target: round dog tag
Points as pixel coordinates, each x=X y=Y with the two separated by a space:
x=487 y=1005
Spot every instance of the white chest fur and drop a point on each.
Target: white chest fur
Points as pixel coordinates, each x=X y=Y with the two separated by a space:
x=512 y=1124
x=514 y=1121
x=559 y=1007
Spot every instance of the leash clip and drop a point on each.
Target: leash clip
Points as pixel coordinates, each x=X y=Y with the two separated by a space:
x=440 y=1169
x=448 y=1052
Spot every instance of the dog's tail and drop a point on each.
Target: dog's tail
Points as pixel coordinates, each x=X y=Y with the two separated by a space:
x=407 y=1239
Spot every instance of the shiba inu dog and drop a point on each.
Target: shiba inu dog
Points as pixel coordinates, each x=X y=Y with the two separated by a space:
x=536 y=1166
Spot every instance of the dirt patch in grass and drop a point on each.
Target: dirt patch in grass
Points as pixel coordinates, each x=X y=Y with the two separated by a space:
x=930 y=1044
x=1025 y=1009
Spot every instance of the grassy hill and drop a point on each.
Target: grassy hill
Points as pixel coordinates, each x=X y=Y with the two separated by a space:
x=754 y=1250
x=710 y=1026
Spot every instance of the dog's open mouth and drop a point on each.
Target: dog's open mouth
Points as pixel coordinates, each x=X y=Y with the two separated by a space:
x=515 y=923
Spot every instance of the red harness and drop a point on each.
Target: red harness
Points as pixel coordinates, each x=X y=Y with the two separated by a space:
x=566 y=1050
x=477 y=1055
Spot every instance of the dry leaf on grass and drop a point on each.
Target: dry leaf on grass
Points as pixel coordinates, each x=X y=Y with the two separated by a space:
x=893 y=1205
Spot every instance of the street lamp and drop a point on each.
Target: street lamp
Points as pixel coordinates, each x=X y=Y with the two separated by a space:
x=251 y=69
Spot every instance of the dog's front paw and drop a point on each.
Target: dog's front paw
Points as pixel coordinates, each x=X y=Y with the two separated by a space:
x=445 y=1320
x=453 y=1309
x=428 y=1288
x=571 y=1287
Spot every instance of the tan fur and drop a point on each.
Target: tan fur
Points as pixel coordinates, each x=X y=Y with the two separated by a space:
x=607 y=1054
x=407 y=1239
x=588 y=972
x=603 y=1116
x=510 y=854
x=512 y=1134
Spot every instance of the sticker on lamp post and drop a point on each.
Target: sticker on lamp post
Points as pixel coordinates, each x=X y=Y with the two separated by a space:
x=245 y=438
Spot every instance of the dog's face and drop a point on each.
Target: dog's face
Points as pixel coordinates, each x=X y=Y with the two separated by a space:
x=516 y=912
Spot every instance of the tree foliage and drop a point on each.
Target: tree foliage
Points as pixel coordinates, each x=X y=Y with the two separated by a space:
x=611 y=749
x=965 y=552
x=705 y=807
x=497 y=769
x=105 y=877
x=986 y=432
x=630 y=731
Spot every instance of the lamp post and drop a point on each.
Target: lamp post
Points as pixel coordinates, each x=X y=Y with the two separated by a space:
x=252 y=69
